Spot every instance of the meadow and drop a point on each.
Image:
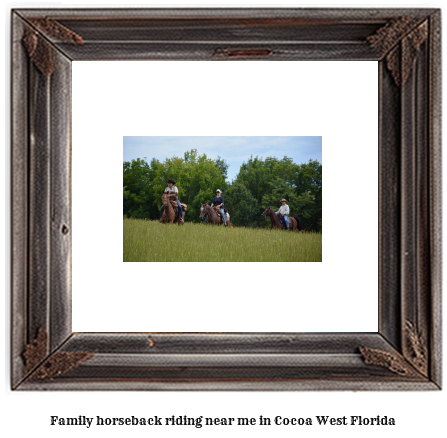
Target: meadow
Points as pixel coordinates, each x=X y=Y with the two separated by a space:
x=151 y=241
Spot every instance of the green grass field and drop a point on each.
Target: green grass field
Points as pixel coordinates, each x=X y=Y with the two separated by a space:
x=151 y=241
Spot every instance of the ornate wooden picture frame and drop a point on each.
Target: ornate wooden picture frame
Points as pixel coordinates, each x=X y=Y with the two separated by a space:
x=405 y=354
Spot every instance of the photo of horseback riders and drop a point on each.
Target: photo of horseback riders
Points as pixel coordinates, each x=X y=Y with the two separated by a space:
x=241 y=199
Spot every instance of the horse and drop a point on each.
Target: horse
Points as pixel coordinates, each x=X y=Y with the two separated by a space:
x=298 y=223
x=276 y=223
x=169 y=212
x=213 y=217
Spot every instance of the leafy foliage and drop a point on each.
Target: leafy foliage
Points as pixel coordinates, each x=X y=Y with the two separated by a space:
x=241 y=205
x=196 y=177
x=259 y=184
x=272 y=179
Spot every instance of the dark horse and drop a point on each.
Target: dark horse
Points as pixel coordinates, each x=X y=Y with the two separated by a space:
x=294 y=222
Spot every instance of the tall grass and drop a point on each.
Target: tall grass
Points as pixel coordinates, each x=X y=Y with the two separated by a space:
x=151 y=241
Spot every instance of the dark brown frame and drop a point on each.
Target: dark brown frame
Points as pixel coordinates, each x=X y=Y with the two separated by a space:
x=405 y=354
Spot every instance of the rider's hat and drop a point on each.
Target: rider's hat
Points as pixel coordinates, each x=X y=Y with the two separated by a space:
x=171 y=181
x=283 y=200
x=218 y=191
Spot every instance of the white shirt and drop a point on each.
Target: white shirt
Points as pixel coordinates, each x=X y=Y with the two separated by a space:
x=284 y=209
x=173 y=189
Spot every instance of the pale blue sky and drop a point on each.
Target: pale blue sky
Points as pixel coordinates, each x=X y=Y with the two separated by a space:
x=235 y=150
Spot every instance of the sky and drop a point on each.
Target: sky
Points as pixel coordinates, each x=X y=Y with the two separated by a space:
x=234 y=150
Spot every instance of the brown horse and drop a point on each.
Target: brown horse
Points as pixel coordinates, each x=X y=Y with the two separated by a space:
x=213 y=217
x=275 y=222
x=227 y=217
x=169 y=214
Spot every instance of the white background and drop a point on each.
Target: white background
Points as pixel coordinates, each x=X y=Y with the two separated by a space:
x=112 y=99
x=417 y=414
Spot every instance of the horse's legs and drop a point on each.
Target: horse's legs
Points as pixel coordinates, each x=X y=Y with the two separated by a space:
x=179 y=222
x=180 y=217
x=292 y=225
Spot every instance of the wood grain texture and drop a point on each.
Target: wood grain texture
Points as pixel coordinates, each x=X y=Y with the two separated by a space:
x=301 y=34
x=134 y=14
x=224 y=343
x=229 y=384
x=204 y=51
x=414 y=188
x=435 y=195
x=60 y=202
x=19 y=200
x=39 y=201
x=404 y=355
x=389 y=207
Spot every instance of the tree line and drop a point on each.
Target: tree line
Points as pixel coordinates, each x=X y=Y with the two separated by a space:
x=259 y=184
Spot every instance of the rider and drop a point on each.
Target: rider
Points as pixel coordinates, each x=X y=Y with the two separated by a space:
x=219 y=202
x=173 y=190
x=284 y=210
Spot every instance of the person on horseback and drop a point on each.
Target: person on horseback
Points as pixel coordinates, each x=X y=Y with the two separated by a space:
x=284 y=210
x=172 y=190
x=219 y=202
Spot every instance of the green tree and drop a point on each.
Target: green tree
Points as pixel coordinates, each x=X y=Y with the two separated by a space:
x=260 y=183
x=308 y=183
x=137 y=181
x=223 y=166
x=242 y=206
x=272 y=179
x=196 y=176
x=255 y=175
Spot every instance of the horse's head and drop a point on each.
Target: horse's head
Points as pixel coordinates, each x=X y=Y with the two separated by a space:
x=165 y=199
x=267 y=212
x=202 y=210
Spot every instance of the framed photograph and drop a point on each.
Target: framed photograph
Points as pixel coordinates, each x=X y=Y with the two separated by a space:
x=88 y=312
x=282 y=192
